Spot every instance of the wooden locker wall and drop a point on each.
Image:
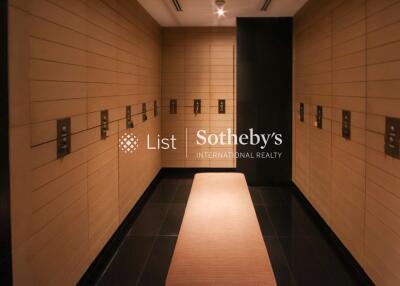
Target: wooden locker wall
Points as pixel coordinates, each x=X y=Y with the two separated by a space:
x=346 y=57
x=73 y=59
x=198 y=63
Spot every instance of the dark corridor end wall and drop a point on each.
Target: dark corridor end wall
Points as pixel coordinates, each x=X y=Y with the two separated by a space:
x=264 y=95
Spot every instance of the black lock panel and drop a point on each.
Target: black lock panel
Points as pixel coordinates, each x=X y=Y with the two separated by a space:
x=197 y=106
x=392 y=137
x=173 y=104
x=103 y=124
x=221 y=106
x=63 y=137
x=346 y=124
x=155 y=108
x=128 y=115
x=301 y=111
x=319 y=116
x=144 y=112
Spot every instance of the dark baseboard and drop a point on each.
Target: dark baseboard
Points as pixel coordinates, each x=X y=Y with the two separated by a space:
x=332 y=238
x=99 y=265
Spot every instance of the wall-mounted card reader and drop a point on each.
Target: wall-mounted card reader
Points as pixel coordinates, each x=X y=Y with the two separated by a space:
x=197 y=106
x=103 y=124
x=346 y=124
x=128 y=115
x=63 y=137
x=319 y=117
x=392 y=137
x=155 y=108
x=301 y=111
x=173 y=104
x=144 y=112
x=221 y=106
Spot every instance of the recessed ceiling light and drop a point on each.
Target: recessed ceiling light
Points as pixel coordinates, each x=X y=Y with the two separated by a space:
x=220 y=7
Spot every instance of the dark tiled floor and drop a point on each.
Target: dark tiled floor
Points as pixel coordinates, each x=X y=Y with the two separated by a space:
x=300 y=252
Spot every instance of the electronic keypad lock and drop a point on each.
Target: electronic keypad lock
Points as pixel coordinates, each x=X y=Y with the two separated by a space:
x=197 y=106
x=103 y=124
x=155 y=108
x=319 y=117
x=346 y=124
x=301 y=111
x=173 y=103
x=128 y=115
x=392 y=137
x=63 y=137
x=144 y=112
x=221 y=106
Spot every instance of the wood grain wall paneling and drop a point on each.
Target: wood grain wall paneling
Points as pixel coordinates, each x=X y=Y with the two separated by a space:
x=198 y=63
x=74 y=59
x=364 y=66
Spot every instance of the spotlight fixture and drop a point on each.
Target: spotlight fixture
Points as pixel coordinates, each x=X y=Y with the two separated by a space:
x=220 y=7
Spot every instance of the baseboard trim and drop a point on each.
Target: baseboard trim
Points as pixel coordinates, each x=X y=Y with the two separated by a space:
x=334 y=240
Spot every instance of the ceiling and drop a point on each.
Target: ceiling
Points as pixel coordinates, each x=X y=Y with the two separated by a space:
x=203 y=12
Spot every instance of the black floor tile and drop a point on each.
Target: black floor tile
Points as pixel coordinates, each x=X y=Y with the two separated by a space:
x=157 y=267
x=340 y=270
x=282 y=219
x=173 y=220
x=276 y=195
x=278 y=261
x=300 y=251
x=165 y=191
x=264 y=221
x=255 y=196
x=182 y=193
x=128 y=263
x=310 y=276
x=150 y=220
x=291 y=220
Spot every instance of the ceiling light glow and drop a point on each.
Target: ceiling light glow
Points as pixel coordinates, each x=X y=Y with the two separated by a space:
x=220 y=7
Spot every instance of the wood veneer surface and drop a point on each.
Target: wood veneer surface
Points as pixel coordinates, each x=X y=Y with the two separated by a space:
x=220 y=241
x=346 y=57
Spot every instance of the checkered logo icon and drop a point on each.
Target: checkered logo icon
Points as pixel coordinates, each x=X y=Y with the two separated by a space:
x=128 y=143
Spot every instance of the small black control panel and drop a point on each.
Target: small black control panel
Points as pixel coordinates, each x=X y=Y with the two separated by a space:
x=221 y=106
x=301 y=111
x=346 y=124
x=392 y=137
x=319 y=117
x=144 y=112
x=103 y=124
x=197 y=106
x=128 y=115
x=63 y=137
x=173 y=104
x=155 y=108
